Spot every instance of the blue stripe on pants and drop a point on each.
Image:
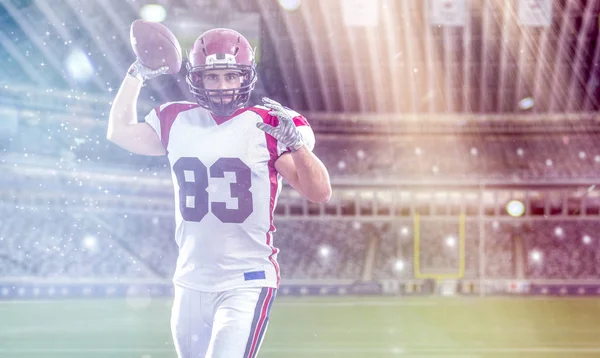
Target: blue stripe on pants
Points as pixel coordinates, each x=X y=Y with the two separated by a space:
x=264 y=326
x=257 y=312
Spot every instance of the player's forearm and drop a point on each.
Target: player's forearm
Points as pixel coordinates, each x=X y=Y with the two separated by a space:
x=124 y=109
x=312 y=176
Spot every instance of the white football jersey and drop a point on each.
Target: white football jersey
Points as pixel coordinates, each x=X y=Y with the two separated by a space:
x=226 y=189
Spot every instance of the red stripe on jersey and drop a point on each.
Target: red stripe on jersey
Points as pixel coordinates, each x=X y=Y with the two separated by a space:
x=274 y=251
x=261 y=321
x=274 y=185
x=300 y=121
x=272 y=146
x=168 y=115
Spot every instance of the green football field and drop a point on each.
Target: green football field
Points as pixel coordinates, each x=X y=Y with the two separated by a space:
x=318 y=327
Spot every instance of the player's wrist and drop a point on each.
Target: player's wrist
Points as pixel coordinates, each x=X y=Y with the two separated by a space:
x=139 y=71
x=135 y=71
x=295 y=141
x=297 y=146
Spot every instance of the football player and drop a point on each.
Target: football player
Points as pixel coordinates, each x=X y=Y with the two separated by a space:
x=227 y=163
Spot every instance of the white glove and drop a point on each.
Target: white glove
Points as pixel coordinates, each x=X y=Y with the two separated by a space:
x=286 y=131
x=143 y=73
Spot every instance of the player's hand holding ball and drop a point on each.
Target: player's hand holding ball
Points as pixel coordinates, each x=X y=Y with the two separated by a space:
x=157 y=50
x=143 y=73
x=286 y=131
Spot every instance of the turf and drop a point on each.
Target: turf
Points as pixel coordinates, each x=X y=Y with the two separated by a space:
x=318 y=327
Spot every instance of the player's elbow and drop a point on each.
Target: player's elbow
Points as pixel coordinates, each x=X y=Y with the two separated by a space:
x=322 y=196
x=118 y=134
x=115 y=137
x=111 y=136
x=112 y=131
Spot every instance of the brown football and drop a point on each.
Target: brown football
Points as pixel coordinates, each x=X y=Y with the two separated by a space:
x=155 y=45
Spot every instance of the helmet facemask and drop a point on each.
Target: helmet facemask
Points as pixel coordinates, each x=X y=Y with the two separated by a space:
x=221 y=102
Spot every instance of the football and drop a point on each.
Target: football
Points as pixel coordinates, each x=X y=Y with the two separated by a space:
x=155 y=45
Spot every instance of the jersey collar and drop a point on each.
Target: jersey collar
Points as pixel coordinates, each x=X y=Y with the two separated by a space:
x=222 y=119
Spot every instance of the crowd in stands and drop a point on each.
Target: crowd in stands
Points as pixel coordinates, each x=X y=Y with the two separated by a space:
x=467 y=156
x=48 y=243
x=562 y=250
x=36 y=242
x=42 y=243
x=440 y=249
x=323 y=249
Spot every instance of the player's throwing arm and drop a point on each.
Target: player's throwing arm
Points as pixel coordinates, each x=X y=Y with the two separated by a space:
x=158 y=52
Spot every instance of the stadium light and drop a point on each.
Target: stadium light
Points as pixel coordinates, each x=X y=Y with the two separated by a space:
x=290 y=5
x=536 y=256
x=558 y=231
x=324 y=251
x=399 y=265
x=526 y=103
x=495 y=225
x=404 y=231
x=520 y=152
x=450 y=241
x=153 y=12
x=515 y=208
x=90 y=242
x=586 y=239
x=79 y=66
x=474 y=151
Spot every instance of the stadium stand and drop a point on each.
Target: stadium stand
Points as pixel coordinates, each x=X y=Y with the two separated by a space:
x=117 y=246
x=465 y=156
x=562 y=250
x=61 y=245
x=140 y=245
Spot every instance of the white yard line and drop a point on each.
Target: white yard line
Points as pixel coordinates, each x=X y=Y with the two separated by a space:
x=329 y=350
x=318 y=304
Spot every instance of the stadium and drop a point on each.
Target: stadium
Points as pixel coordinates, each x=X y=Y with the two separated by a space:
x=461 y=142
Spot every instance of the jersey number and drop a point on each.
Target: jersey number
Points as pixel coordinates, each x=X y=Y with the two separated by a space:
x=196 y=188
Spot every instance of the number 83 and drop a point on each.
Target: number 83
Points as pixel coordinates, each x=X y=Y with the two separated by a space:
x=197 y=189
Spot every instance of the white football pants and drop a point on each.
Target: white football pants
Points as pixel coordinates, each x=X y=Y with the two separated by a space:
x=228 y=324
